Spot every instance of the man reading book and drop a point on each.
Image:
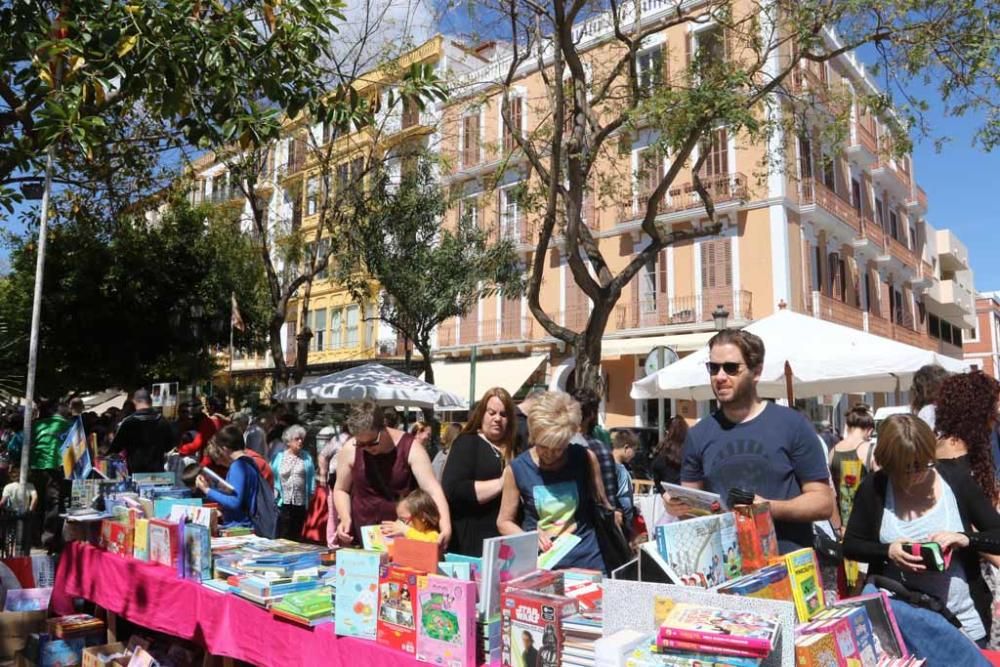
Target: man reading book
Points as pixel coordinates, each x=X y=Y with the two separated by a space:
x=756 y=446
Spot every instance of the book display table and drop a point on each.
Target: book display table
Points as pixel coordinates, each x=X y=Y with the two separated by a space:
x=152 y=596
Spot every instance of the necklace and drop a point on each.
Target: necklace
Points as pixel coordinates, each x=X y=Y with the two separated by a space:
x=496 y=450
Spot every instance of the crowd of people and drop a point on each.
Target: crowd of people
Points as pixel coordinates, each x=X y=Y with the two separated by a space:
x=546 y=465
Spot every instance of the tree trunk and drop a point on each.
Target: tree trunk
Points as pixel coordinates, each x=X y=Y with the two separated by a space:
x=587 y=350
x=301 y=353
x=274 y=328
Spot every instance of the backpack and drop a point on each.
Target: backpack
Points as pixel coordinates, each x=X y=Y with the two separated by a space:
x=263 y=507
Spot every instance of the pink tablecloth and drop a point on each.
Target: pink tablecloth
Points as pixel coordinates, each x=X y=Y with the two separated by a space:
x=153 y=597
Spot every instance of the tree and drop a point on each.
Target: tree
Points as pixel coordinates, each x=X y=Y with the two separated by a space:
x=746 y=75
x=424 y=274
x=136 y=300
x=206 y=66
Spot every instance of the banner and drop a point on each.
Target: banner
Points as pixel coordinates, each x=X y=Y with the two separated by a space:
x=75 y=453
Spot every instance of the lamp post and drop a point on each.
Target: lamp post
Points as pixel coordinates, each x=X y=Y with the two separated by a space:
x=720 y=316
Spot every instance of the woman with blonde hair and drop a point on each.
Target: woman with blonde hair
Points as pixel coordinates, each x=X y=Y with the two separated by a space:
x=555 y=483
x=472 y=477
x=451 y=432
x=421 y=432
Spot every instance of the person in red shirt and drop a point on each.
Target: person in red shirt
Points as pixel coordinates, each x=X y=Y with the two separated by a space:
x=204 y=429
x=219 y=456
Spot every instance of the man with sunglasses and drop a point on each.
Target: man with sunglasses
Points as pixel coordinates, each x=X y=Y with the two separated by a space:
x=757 y=446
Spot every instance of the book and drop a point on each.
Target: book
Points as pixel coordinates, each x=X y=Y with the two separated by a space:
x=888 y=638
x=750 y=633
x=807 y=587
x=475 y=564
x=312 y=604
x=699 y=502
x=504 y=558
x=161 y=506
x=817 y=650
x=560 y=549
x=27 y=599
x=768 y=583
x=446 y=629
x=756 y=536
x=197 y=552
x=682 y=646
x=373 y=539
x=140 y=540
x=861 y=626
x=461 y=571
x=217 y=481
x=116 y=537
x=531 y=627
x=843 y=636
x=397 y=616
x=422 y=556
x=154 y=478
x=356 y=602
x=165 y=544
x=703 y=551
x=204 y=516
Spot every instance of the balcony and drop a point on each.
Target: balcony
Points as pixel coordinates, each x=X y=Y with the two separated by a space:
x=727 y=192
x=888 y=173
x=904 y=331
x=487 y=332
x=829 y=207
x=863 y=145
x=917 y=201
x=952 y=298
x=685 y=310
x=952 y=253
x=902 y=254
x=871 y=240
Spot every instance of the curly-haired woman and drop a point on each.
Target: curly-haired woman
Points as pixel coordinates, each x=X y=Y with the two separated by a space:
x=966 y=414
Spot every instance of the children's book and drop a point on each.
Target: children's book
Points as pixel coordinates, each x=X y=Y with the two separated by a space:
x=397 y=616
x=817 y=650
x=700 y=502
x=140 y=540
x=560 y=548
x=650 y=655
x=372 y=538
x=197 y=552
x=356 y=602
x=888 y=638
x=461 y=571
x=768 y=583
x=861 y=626
x=531 y=627
x=755 y=530
x=116 y=537
x=505 y=558
x=840 y=629
x=703 y=551
x=165 y=544
x=422 y=556
x=154 y=478
x=161 y=506
x=475 y=564
x=807 y=587
x=718 y=628
x=446 y=627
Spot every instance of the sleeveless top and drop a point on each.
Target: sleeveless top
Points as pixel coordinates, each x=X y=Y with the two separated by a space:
x=378 y=483
x=560 y=502
x=950 y=586
x=847 y=470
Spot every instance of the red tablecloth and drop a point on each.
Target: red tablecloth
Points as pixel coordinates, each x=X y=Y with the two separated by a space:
x=153 y=596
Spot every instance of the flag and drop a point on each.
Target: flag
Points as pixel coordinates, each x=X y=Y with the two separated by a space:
x=235 y=319
x=75 y=453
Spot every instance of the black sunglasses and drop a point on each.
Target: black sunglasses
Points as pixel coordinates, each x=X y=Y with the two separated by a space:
x=730 y=368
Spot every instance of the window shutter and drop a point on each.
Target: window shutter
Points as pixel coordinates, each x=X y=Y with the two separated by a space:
x=665 y=64
x=726 y=256
x=688 y=50
x=708 y=264
x=662 y=277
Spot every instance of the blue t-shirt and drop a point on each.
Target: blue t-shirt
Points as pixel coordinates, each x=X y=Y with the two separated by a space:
x=771 y=455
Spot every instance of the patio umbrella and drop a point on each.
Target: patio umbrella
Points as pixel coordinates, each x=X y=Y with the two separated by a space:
x=822 y=357
x=373 y=382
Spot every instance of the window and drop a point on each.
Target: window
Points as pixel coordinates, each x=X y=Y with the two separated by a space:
x=336 y=335
x=856 y=194
x=296 y=210
x=324 y=249
x=516 y=109
x=911 y=242
x=312 y=195
x=712 y=45
x=717 y=162
x=510 y=213
x=869 y=294
x=817 y=269
x=468 y=211
x=934 y=326
x=317 y=322
x=411 y=114
x=805 y=157
x=371 y=316
x=880 y=213
x=343 y=177
x=648 y=174
x=353 y=318
x=470 y=140
x=893 y=225
x=649 y=69
x=829 y=173
x=357 y=171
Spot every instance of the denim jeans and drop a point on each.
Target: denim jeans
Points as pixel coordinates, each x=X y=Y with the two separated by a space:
x=928 y=635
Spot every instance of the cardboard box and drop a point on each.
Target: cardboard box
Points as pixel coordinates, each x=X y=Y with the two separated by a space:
x=15 y=626
x=100 y=656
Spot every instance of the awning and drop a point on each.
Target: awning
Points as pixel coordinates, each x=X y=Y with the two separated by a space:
x=615 y=347
x=510 y=374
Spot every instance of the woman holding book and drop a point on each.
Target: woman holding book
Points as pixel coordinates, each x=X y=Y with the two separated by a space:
x=294 y=483
x=472 y=477
x=556 y=484
x=242 y=476
x=911 y=501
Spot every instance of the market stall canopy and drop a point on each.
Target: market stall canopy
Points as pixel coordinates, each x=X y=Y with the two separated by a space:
x=511 y=374
x=373 y=382
x=613 y=347
x=825 y=358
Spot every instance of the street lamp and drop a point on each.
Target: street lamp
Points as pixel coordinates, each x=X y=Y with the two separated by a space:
x=720 y=315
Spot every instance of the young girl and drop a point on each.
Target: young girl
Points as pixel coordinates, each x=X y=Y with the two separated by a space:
x=417 y=518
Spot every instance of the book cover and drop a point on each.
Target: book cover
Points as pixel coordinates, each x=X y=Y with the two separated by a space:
x=116 y=537
x=372 y=538
x=162 y=506
x=531 y=627
x=505 y=558
x=647 y=654
x=422 y=556
x=356 y=601
x=204 y=516
x=843 y=635
x=703 y=551
x=804 y=578
x=165 y=544
x=154 y=478
x=560 y=549
x=446 y=629
x=888 y=638
x=716 y=627
x=755 y=532
x=861 y=626
x=700 y=502
x=397 y=616
x=197 y=552
x=461 y=571
x=817 y=650
x=140 y=540
x=686 y=646
x=538 y=581
x=475 y=564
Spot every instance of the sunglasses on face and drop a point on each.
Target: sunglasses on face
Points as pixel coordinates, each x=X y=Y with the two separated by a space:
x=730 y=368
x=368 y=443
x=915 y=468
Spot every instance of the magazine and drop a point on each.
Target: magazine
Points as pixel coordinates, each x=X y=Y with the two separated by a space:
x=703 y=551
x=700 y=502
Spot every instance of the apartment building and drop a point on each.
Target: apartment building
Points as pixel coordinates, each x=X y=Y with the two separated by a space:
x=843 y=237
x=344 y=332
x=982 y=346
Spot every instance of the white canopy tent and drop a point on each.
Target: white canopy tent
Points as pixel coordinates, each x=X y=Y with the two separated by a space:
x=823 y=357
x=373 y=382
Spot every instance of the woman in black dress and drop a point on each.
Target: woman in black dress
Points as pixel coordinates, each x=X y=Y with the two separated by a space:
x=473 y=475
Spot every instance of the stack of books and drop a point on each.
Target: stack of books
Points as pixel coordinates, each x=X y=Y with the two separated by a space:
x=583 y=629
x=266 y=591
x=709 y=634
x=311 y=607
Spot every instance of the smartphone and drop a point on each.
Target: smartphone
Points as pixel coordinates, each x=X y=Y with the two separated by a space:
x=935 y=559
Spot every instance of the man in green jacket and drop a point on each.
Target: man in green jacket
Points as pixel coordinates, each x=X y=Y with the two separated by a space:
x=47 y=471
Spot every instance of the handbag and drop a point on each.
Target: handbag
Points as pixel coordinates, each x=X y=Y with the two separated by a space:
x=615 y=549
